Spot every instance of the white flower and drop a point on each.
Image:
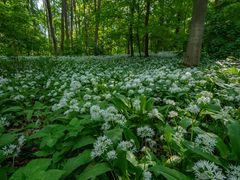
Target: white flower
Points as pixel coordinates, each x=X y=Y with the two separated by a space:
x=233 y=173
x=95 y=112
x=100 y=146
x=136 y=104
x=170 y=102
x=179 y=134
x=205 y=142
x=147 y=175
x=111 y=155
x=127 y=146
x=207 y=170
x=145 y=132
x=203 y=100
x=172 y=114
x=154 y=113
x=106 y=126
x=193 y=108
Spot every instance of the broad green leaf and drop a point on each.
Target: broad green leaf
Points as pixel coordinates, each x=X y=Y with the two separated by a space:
x=12 y=109
x=234 y=135
x=75 y=162
x=6 y=139
x=94 y=171
x=53 y=174
x=115 y=134
x=168 y=173
x=83 y=141
x=190 y=146
x=130 y=135
x=33 y=167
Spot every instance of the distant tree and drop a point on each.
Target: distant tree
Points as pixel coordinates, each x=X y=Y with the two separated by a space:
x=146 y=37
x=194 y=46
x=50 y=19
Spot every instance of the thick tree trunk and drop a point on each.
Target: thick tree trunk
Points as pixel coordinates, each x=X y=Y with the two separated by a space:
x=194 y=46
x=146 y=37
x=54 y=39
x=97 y=19
x=138 y=34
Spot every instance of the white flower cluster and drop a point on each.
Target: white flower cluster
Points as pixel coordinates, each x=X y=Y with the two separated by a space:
x=233 y=173
x=205 y=142
x=127 y=146
x=136 y=104
x=109 y=115
x=73 y=107
x=145 y=132
x=205 y=97
x=207 y=170
x=172 y=114
x=154 y=114
x=111 y=155
x=193 y=108
x=101 y=146
x=170 y=102
x=14 y=149
x=179 y=133
x=4 y=122
x=147 y=175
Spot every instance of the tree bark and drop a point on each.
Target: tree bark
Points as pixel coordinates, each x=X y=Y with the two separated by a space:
x=54 y=39
x=132 y=4
x=62 y=27
x=71 y=23
x=194 y=46
x=97 y=6
x=146 y=37
x=66 y=22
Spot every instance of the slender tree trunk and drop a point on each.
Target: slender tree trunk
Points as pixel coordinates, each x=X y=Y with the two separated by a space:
x=194 y=46
x=62 y=27
x=132 y=4
x=66 y=22
x=85 y=27
x=146 y=38
x=138 y=35
x=97 y=5
x=54 y=39
x=71 y=23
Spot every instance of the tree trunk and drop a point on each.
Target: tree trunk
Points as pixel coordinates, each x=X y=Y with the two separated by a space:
x=132 y=4
x=62 y=26
x=54 y=39
x=194 y=46
x=138 y=35
x=97 y=6
x=146 y=37
x=66 y=22
x=85 y=27
x=71 y=23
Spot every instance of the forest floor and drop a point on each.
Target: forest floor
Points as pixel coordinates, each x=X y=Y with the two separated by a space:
x=113 y=116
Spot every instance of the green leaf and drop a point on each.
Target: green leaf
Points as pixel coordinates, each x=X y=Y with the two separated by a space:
x=121 y=102
x=115 y=134
x=33 y=167
x=83 y=141
x=12 y=109
x=6 y=139
x=130 y=135
x=234 y=134
x=190 y=146
x=75 y=162
x=94 y=171
x=53 y=174
x=170 y=174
